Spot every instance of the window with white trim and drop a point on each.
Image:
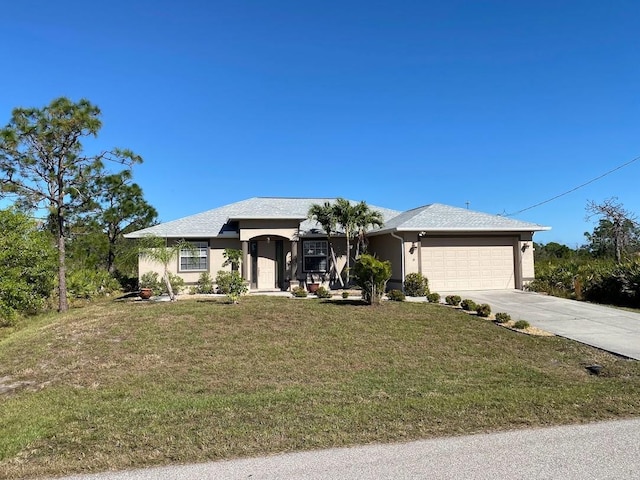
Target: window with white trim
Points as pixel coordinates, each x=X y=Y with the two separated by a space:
x=315 y=255
x=195 y=259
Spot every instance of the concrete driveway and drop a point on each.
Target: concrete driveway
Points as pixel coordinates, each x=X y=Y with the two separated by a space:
x=608 y=328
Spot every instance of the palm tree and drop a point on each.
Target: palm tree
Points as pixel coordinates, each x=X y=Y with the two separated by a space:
x=155 y=249
x=365 y=218
x=345 y=215
x=324 y=214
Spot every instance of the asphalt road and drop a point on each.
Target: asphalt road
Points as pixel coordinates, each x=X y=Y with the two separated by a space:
x=607 y=450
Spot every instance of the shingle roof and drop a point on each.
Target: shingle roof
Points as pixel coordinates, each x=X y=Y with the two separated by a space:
x=434 y=217
x=212 y=222
x=444 y=218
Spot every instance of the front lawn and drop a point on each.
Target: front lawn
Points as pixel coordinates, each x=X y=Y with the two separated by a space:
x=127 y=384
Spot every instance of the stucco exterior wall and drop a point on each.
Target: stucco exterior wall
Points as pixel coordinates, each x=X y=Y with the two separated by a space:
x=214 y=262
x=146 y=265
x=255 y=228
x=528 y=267
x=216 y=249
x=411 y=253
x=386 y=247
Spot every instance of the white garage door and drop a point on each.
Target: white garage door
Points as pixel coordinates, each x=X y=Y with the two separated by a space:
x=458 y=264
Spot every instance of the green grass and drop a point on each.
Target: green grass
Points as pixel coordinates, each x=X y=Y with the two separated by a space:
x=120 y=385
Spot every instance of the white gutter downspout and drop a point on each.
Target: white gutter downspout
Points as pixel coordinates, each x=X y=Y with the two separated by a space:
x=401 y=255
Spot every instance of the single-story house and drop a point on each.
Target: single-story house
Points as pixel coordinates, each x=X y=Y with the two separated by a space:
x=456 y=249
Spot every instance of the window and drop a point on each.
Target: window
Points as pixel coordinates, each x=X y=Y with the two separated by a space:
x=315 y=255
x=196 y=259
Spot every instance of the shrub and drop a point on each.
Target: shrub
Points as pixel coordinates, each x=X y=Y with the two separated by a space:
x=521 y=324
x=396 y=295
x=87 y=283
x=299 y=292
x=151 y=280
x=27 y=260
x=205 y=284
x=502 y=317
x=232 y=257
x=416 y=285
x=322 y=292
x=231 y=284
x=371 y=275
x=345 y=294
x=468 y=305
x=452 y=300
x=127 y=283
x=555 y=278
x=8 y=316
x=596 y=280
x=433 y=297
x=483 y=310
x=177 y=284
x=617 y=284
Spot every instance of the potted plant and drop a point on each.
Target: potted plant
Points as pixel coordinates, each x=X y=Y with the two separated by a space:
x=312 y=286
x=145 y=293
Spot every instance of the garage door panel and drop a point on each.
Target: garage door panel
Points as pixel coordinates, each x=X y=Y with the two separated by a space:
x=458 y=263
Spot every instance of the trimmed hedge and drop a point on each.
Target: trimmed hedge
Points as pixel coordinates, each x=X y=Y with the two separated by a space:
x=483 y=310
x=453 y=300
x=433 y=297
x=396 y=296
x=468 y=305
x=416 y=285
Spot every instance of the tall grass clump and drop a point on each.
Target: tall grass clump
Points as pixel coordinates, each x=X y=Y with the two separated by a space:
x=599 y=281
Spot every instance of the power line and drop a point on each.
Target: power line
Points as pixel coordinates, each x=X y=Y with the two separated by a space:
x=573 y=189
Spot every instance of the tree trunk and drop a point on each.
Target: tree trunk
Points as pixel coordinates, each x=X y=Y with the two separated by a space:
x=348 y=260
x=111 y=257
x=63 y=305
x=335 y=264
x=172 y=295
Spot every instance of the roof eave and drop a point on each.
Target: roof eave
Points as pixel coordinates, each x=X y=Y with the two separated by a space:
x=279 y=217
x=182 y=235
x=481 y=229
x=459 y=230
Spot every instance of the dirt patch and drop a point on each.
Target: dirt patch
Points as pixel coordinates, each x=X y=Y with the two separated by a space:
x=528 y=331
x=8 y=386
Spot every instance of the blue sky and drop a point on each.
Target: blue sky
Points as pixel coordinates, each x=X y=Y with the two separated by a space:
x=500 y=103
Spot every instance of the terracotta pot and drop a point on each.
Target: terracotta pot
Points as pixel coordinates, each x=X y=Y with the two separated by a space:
x=313 y=287
x=145 y=293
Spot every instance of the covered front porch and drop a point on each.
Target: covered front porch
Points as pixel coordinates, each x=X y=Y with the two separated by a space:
x=276 y=262
x=269 y=262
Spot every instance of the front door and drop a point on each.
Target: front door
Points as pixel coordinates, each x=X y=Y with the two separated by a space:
x=266 y=264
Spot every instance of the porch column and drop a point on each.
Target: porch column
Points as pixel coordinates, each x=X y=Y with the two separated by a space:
x=517 y=280
x=294 y=260
x=245 y=259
